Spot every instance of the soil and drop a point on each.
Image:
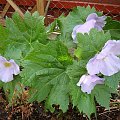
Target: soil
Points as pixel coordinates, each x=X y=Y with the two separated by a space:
x=36 y=111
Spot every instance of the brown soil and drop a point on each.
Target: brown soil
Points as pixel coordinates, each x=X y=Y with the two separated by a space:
x=36 y=111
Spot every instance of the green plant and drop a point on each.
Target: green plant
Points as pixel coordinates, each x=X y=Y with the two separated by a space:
x=47 y=66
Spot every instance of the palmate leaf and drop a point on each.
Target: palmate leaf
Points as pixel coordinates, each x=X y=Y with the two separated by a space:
x=113 y=81
x=84 y=102
x=12 y=53
x=87 y=104
x=3 y=39
x=45 y=72
x=23 y=33
x=89 y=45
x=102 y=94
x=28 y=30
x=59 y=93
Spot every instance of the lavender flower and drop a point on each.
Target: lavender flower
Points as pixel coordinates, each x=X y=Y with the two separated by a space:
x=82 y=28
x=106 y=62
x=112 y=47
x=88 y=82
x=7 y=69
x=92 y=21
x=100 y=21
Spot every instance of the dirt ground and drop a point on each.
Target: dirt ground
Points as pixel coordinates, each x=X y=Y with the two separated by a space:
x=36 y=111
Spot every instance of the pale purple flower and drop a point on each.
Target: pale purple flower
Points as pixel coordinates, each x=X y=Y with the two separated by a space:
x=100 y=21
x=7 y=69
x=112 y=47
x=107 y=65
x=88 y=82
x=82 y=28
x=92 y=21
x=106 y=62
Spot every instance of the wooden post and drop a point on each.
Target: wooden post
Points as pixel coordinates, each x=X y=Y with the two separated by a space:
x=5 y=10
x=41 y=7
x=16 y=8
x=47 y=7
x=34 y=9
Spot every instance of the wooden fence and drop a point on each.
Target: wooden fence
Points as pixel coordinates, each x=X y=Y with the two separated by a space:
x=54 y=8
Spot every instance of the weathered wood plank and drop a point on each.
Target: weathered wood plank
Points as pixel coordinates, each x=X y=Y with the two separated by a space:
x=41 y=7
x=16 y=8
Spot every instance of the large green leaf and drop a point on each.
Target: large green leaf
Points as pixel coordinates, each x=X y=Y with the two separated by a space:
x=113 y=27
x=87 y=104
x=45 y=72
x=92 y=43
x=23 y=33
x=102 y=94
x=3 y=39
x=28 y=30
x=12 y=53
x=59 y=93
x=84 y=102
x=113 y=81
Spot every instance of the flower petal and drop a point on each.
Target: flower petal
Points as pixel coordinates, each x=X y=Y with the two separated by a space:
x=88 y=82
x=82 y=79
x=7 y=69
x=91 y=16
x=86 y=27
x=15 y=67
x=82 y=28
x=74 y=33
x=87 y=89
x=2 y=61
x=93 y=66
x=91 y=86
x=112 y=46
x=107 y=65
x=6 y=75
x=110 y=65
x=100 y=21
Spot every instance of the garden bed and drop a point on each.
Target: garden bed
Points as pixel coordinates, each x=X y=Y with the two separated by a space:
x=36 y=111
x=54 y=72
